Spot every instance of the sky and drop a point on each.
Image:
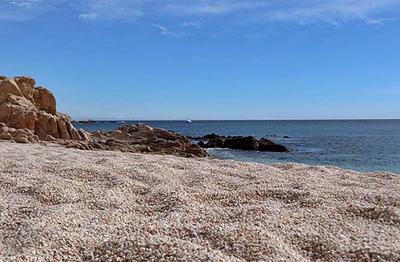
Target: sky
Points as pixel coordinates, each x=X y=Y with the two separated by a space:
x=210 y=60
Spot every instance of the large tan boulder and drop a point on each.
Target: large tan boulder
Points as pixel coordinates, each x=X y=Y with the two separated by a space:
x=44 y=100
x=27 y=87
x=29 y=113
x=9 y=86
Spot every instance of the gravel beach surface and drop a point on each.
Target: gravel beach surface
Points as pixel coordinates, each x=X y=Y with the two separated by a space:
x=60 y=204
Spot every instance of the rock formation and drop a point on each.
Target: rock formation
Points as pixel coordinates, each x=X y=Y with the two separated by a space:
x=29 y=114
x=240 y=142
x=141 y=139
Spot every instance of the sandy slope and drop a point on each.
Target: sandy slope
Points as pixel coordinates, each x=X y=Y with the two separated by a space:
x=57 y=203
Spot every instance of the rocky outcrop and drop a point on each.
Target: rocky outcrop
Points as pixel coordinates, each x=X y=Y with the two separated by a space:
x=140 y=139
x=240 y=142
x=29 y=114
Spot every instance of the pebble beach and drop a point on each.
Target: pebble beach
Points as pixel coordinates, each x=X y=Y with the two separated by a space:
x=59 y=204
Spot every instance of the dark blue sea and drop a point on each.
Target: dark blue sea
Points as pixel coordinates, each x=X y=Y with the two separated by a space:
x=361 y=145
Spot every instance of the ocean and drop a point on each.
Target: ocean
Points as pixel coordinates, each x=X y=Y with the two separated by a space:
x=360 y=145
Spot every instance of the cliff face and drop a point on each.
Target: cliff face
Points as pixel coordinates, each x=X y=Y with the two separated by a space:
x=29 y=113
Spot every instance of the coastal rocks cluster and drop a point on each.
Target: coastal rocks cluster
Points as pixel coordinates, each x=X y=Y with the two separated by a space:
x=28 y=114
x=140 y=139
x=250 y=143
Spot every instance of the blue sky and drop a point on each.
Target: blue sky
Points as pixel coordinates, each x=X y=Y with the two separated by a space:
x=203 y=59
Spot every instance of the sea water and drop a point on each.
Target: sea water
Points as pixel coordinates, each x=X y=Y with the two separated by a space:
x=361 y=145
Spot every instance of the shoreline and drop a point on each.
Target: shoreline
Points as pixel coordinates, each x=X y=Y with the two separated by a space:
x=213 y=157
x=372 y=150
x=283 y=162
x=72 y=204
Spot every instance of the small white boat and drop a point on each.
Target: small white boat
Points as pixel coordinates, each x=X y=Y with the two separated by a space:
x=189 y=121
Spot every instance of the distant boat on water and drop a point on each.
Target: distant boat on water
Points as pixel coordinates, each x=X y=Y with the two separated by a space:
x=189 y=121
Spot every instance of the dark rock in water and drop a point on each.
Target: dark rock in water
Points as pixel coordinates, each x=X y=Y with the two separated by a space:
x=206 y=137
x=240 y=142
x=270 y=146
x=216 y=142
x=212 y=136
x=83 y=121
x=141 y=139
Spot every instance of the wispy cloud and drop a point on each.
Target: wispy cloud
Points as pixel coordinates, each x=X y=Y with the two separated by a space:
x=372 y=12
x=24 y=3
x=334 y=12
x=18 y=10
x=216 y=7
x=116 y=10
x=381 y=21
x=165 y=31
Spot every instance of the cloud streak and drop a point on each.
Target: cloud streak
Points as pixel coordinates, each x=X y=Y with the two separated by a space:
x=372 y=12
x=165 y=31
x=335 y=12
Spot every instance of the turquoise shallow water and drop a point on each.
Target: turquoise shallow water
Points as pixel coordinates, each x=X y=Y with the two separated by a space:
x=361 y=145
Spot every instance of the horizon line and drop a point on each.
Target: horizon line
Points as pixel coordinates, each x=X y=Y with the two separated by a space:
x=199 y=120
